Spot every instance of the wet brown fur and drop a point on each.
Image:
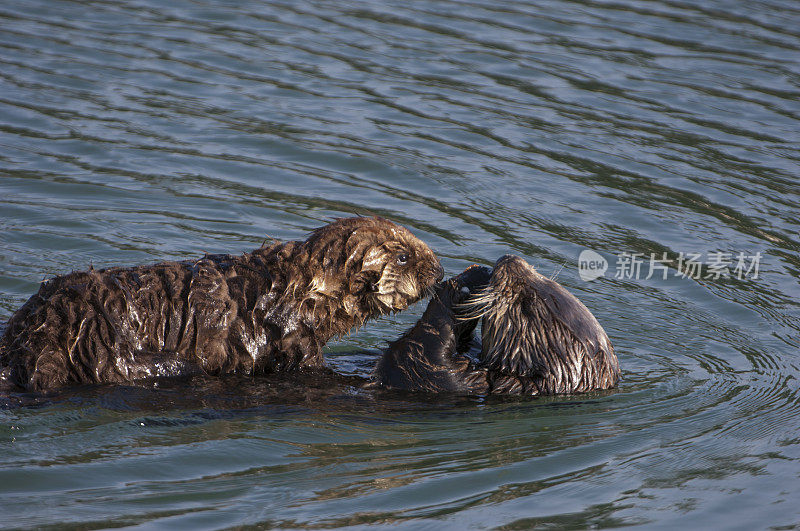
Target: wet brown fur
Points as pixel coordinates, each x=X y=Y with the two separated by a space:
x=269 y=310
x=537 y=338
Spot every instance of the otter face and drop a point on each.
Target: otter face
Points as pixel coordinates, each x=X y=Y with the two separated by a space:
x=401 y=270
x=532 y=326
x=385 y=267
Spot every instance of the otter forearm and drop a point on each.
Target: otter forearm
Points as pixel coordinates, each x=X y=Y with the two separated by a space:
x=425 y=358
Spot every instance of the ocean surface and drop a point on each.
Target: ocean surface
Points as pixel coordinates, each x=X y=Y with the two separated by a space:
x=139 y=131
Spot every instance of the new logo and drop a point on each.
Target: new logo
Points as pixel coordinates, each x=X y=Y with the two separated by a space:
x=591 y=265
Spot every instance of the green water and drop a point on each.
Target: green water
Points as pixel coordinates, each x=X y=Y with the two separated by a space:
x=133 y=132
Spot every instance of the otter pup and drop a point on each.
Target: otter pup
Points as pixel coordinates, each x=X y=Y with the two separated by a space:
x=537 y=338
x=269 y=310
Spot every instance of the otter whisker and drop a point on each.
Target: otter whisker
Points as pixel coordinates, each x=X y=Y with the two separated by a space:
x=475 y=313
x=429 y=292
x=555 y=274
x=477 y=305
x=486 y=295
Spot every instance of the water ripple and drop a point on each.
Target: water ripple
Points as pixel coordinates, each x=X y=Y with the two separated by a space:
x=138 y=131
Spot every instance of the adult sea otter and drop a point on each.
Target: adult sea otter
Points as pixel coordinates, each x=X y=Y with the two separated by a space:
x=537 y=338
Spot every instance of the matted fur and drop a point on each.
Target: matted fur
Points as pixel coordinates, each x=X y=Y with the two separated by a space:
x=269 y=310
x=537 y=338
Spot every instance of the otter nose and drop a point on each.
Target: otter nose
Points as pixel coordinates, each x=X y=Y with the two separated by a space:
x=438 y=271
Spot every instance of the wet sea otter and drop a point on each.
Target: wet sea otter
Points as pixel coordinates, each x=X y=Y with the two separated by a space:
x=269 y=310
x=537 y=338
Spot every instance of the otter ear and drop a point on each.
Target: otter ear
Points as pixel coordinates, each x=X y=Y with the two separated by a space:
x=364 y=282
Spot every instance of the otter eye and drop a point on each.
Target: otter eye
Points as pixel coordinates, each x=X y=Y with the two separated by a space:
x=402 y=259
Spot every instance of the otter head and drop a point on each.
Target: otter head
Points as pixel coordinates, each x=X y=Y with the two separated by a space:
x=373 y=265
x=533 y=327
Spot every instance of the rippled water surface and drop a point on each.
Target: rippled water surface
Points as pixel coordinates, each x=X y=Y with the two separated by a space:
x=132 y=132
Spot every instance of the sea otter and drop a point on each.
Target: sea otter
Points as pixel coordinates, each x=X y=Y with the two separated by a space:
x=537 y=338
x=268 y=310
